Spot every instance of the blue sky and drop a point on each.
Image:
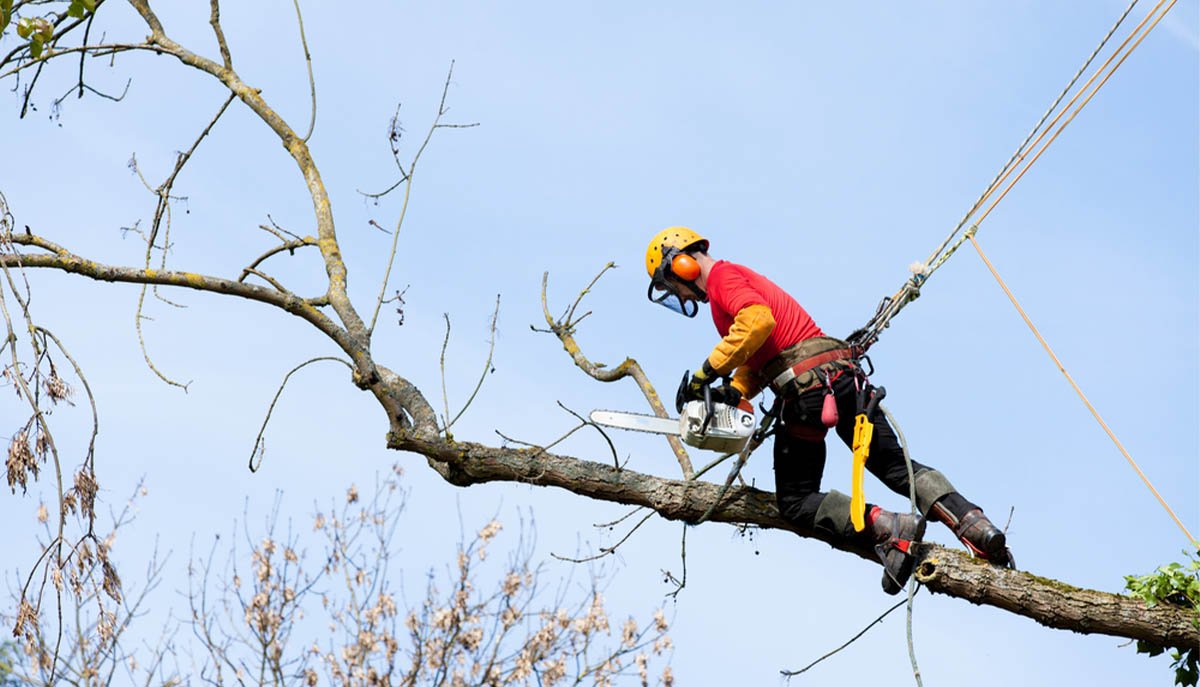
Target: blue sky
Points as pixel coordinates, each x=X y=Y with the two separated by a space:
x=827 y=147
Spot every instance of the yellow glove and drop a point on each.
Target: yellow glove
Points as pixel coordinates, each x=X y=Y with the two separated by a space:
x=701 y=378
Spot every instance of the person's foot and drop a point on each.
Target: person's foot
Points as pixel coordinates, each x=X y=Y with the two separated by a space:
x=984 y=539
x=894 y=534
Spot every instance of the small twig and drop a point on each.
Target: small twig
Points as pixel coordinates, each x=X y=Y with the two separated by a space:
x=586 y=290
x=83 y=56
x=289 y=246
x=91 y=452
x=312 y=84
x=512 y=440
x=793 y=673
x=542 y=449
x=163 y=209
x=487 y=365
x=28 y=89
x=278 y=231
x=442 y=364
x=736 y=472
x=265 y=277
x=713 y=464
x=611 y=447
x=618 y=521
x=608 y=550
x=271 y=409
x=407 y=180
x=682 y=581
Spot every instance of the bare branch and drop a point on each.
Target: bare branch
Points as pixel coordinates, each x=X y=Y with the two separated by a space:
x=442 y=366
x=215 y=20
x=680 y=582
x=289 y=246
x=312 y=84
x=564 y=330
x=607 y=550
x=588 y=423
x=335 y=266
x=66 y=261
x=258 y=449
x=265 y=277
x=873 y=623
x=487 y=364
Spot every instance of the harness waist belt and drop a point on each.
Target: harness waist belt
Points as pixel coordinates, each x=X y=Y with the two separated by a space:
x=807 y=364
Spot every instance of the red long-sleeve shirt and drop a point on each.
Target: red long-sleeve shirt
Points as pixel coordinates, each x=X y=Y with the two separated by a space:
x=732 y=287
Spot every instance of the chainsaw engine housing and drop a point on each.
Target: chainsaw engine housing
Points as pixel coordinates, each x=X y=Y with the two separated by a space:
x=726 y=432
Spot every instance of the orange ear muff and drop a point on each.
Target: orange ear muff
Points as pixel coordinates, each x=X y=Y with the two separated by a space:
x=685 y=267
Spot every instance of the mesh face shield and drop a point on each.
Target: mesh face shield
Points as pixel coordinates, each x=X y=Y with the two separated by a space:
x=665 y=286
x=664 y=294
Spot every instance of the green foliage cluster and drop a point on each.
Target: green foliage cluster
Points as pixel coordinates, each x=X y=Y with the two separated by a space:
x=39 y=31
x=1178 y=584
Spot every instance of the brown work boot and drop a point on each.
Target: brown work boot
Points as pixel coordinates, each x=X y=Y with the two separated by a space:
x=984 y=539
x=894 y=535
x=977 y=533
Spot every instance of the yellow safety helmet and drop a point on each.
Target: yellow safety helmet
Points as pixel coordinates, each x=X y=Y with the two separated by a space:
x=679 y=238
x=667 y=263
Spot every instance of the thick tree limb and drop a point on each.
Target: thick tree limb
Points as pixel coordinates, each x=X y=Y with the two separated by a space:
x=414 y=428
x=945 y=571
x=413 y=422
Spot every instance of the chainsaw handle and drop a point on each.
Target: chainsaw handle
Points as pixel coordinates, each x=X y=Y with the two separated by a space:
x=708 y=408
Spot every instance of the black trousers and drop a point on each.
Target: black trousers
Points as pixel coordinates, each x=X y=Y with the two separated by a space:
x=800 y=452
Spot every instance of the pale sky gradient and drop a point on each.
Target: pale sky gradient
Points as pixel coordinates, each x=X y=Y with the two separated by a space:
x=825 y=146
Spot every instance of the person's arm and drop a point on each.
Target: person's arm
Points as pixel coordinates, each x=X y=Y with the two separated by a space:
x=750 y=329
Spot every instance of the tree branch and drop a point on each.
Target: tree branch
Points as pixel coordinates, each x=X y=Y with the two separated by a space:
x=335 y=266
x=63 y=260
x=944 y=571
x=564 y=329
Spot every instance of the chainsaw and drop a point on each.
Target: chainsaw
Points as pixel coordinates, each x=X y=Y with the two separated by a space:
x=703 y=423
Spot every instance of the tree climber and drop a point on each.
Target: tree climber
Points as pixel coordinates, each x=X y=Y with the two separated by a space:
x=770 y=341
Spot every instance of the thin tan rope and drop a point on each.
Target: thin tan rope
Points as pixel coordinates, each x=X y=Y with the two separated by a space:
x=1079 y=391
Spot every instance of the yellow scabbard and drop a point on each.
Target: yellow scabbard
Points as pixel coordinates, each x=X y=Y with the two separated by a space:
x=864 y=429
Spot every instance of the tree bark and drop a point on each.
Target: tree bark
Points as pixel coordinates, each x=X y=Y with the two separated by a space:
x=942 y=570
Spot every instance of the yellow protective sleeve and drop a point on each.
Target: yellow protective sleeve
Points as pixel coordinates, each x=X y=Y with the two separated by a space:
x=751 y=327
x=746 y=382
